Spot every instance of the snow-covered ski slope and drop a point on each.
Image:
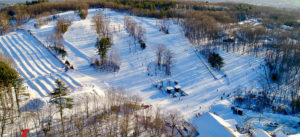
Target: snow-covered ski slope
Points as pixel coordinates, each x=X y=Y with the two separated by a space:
x=35 y=63
x=40 y=68
x=192 y=75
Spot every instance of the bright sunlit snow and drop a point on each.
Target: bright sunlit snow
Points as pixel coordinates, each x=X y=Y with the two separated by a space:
x=40 y=68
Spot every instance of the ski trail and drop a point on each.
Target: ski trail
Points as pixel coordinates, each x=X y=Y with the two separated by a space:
x=22 y=69
x=73 y=81
x=48 y=57
x=40 y=57
x=67 y=81
x=76 y=54
x=50 y=87
x=30 y=55
x=15 y=56
x=41 y=87
x=37 y=65
x=9 y=54
x=27 y=59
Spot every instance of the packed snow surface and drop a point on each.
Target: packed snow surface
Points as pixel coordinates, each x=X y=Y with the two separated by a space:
x=40 y=68
x=208 y=125
x=194 y=78
x=35 y=63
x=260 y=133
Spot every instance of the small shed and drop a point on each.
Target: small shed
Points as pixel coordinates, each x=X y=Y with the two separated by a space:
x=170 y=89
x=237 y=111
x=177 y=88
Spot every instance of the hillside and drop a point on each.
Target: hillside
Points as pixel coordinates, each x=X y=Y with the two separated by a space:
x=128 y=75
x=81 y=38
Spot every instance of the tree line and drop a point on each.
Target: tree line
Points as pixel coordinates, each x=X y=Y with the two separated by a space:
x=152 y=8
x=12 y=93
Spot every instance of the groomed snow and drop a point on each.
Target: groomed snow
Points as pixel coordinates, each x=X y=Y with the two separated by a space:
x=39 y=68
x=210 y=125
x=188 y=70
x=260 y=133
x=202 y=89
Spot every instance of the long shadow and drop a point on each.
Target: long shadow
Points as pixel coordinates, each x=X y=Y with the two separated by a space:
x=40 y=55
x=21 y=70
x=14 y=55
x=30 y=84
x=33 y=86
x=37 y=81
x=20 y=46
x=76 y=51
x=26 y=56
x=73 y=80
x=64 y=79
x=48 y=82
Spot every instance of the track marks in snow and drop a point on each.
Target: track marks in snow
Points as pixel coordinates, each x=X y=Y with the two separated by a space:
x=34 y=62
x=76 y=55
x=11 y=52
x=192 y=75
x=28 y=55
x=42 y=57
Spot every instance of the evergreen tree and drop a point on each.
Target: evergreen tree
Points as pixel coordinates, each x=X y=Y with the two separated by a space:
x=59 y=97
x=216 y=60
x=11 y=91
x=102 y=48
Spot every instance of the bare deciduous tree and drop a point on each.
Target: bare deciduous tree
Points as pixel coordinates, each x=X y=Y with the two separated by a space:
x=164 y=25
x=115 y=59
x=4 y=23
x=101 y=25
x=168 y=61
x=140 y=31
x=159 y=55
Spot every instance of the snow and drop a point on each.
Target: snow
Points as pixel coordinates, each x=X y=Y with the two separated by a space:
x=40 y=68
x=253 y=120
x=253 y=21
x=296 y=135
x=177 y=87
x=209 y=123
x=280 y=134
x=287 y=27
x=260 y=133
x=170 y=88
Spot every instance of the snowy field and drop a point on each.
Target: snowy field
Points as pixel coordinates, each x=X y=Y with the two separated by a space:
x=188 y=70
x=40 y=68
